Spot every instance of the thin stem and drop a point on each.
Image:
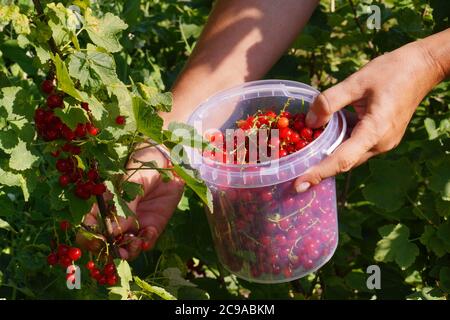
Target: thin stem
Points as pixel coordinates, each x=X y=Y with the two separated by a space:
x=106 y=225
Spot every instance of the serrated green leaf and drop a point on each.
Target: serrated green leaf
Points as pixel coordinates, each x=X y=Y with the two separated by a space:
x=443 y=232
x=430 y=126
x=132 y=190
x=21 y=158
x=440 y=179
x=78 y=207
x=395 y=246
x=72 y=116
x=198 y=186
x=147 y=121
x=152 y=96
x=65 y=83
x=121 y=206
x=432 y=241
x=93 y=68
x=160 y=292
x=104 y=31
x=389 y=183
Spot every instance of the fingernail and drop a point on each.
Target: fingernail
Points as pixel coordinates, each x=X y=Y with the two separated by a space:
x=302 y=187
x=311 y=118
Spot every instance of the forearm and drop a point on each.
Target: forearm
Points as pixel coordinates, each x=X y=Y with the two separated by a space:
x=240 y=42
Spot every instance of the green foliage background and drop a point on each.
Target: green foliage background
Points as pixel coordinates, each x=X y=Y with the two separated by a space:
x=393 y=211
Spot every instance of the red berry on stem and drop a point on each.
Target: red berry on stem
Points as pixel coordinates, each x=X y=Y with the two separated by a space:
x=80 y=130
x=98 y=189
x=95 y=273
x=111 y=280
x=68 y=134
x=52 y=259
x=295 y=137
x=66 y=147
x=74 y=253
x=47 y=86
x=109 y=269
x=81 y=192
x=91 y=129
x=90 y=265
x=285 y=133
x=283 y=122
x=55 y=101
x=102 y=280
x=120 y=120
x=55 y=153
x=65 y=261
x=62 y=250
x=306 y=134
x=64 y=165
x=64 y=180
x=64 y=225
x=92 y=175
x=301 y=144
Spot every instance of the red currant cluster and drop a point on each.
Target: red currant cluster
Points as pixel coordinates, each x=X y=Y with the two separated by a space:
x=51 y=128
x=294 y=135
x=64 y=255
x=107 y=276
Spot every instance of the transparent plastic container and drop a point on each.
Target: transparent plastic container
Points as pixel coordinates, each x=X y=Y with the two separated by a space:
x=262 y=229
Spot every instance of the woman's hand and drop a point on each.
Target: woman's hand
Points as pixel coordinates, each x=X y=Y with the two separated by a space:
x=384 y=93
x=152 y=210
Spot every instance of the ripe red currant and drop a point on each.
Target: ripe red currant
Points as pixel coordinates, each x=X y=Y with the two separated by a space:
x=306 y=134
x=80 y=130
x=283 y=122
x=55 y=101
x=52 y=259
x=92 y=175
x=90 y=265
x=91 y=129
x=98 y=189
x=64 y=225
x=145 y=245
x=74 y=253
x=120 y=120
x=47 y=86
x=109 y=269
x=111 y=280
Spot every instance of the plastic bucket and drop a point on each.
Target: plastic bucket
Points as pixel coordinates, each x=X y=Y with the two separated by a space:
x=262 y=229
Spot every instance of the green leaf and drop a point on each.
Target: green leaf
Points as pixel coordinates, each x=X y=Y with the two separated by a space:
x=132 y=190
x=72 y=116
x=78 y=207
x=198 y=186
x=5 y=225
x=395 y=246
x=158 y=291
x=21 y=158
x=65 y=83
x=104 y=31
x=93 y=67
x=433 y=242
x=124 y=272
x=152 y=96
x=147 y=121
x=121 y=206
x=389 y=183
x=440 y=179
x=430 y=126
x=443 y=232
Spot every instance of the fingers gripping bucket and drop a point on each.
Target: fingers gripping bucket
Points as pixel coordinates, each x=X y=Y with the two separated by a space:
x=262 y=229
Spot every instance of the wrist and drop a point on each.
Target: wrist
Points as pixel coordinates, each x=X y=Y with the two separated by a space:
x=436 y=52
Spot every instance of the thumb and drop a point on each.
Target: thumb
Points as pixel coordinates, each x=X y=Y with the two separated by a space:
x=332 y=100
